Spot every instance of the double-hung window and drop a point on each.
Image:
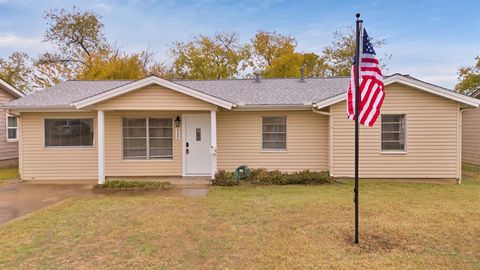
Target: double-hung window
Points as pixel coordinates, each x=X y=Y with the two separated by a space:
x=12 y=128
x=274 y=133
x=68 y=132
x=147 y=138
x=393 y=132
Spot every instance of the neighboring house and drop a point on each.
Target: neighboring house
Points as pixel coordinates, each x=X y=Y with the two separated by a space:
x=8 y=126
x=154 y=127
x=471 y=134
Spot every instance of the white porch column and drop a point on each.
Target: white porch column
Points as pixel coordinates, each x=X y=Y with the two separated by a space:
x=101 y=146
x=213 y=147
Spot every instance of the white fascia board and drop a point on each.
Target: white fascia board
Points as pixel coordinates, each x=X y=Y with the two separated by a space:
x=149 y=81
x=432 y=89
x=10 y=89
x=42 y=109
x=330 y=101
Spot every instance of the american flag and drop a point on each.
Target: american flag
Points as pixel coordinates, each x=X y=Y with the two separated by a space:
x=371 y=85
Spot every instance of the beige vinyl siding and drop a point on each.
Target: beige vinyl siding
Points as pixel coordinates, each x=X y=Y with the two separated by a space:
x=155 y=98
x=471 y=136
x=432 y=138
x=239 y=141
x=54 y=163
x=8 y=150
x=115 y=165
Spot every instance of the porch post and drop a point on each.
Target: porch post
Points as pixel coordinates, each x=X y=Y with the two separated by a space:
x=101 y=146
x=213 y=147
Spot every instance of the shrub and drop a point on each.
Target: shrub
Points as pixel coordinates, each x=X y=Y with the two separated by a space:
x=262 y=176
x=224 y=178
x=125 y=184
x=308 y=177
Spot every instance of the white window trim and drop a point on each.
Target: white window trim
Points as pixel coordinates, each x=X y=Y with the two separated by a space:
x=396 y=151
x=147 y=158
x=267 y=150
x=7 y=128
x=73 y=146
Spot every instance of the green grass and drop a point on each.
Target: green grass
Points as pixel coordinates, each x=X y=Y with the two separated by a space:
x=9 y=173
x=402 y=226
x=132 y=184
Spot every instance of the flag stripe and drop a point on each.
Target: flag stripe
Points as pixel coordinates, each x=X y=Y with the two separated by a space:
x=371 y=86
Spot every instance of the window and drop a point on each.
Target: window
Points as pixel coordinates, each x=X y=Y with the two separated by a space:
x=147 y=138
x=274 y=133
x=69 y=132
x=393 y=132
x=12 y=128
x=198 y=134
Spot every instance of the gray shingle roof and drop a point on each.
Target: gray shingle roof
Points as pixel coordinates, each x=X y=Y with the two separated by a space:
x=64 y=93
x=290 y=91
x=271 y=91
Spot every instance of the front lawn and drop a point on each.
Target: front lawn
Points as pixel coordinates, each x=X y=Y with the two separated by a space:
x=403 y=226
x=8 y=173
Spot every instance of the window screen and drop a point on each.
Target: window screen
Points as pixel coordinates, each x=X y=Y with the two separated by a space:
x=393 y=132
x=274 y=133
x=69 y=132
x=147 y=138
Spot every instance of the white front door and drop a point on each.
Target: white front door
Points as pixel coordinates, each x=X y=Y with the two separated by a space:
x=197 y=144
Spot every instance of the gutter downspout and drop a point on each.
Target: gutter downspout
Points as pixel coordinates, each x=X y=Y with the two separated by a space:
x=460 y=142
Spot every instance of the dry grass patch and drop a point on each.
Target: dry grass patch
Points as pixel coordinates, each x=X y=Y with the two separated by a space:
x=9 y=173
x=403 y=226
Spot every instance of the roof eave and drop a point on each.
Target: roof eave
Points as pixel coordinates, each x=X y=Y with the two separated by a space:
x=397 y=78
x=11 y=90
x=40 y=108
x=149 y=81
x=433 y=89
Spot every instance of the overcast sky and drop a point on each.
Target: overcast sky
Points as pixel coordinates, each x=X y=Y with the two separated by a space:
x=428 y=39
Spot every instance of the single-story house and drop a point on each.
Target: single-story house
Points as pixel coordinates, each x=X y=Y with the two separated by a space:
x=471 y=134
x=8 y=126
x=155 y=127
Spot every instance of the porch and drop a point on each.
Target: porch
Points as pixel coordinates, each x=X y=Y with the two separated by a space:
x=174 y=146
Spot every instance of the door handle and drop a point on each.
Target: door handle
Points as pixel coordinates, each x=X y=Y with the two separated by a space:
x=187 y=144
x=187 y=151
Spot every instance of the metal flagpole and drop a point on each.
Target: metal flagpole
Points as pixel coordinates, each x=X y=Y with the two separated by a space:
x=357 y=100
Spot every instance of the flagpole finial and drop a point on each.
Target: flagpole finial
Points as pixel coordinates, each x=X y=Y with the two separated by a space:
x=357 y=15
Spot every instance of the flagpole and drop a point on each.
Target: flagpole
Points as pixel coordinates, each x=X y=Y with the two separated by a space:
x=357 y=100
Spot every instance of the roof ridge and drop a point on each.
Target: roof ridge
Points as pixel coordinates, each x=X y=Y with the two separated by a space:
x=253 y=79
x=115 y=80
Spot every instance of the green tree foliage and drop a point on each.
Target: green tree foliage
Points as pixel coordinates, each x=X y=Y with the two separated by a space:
x=162 y=70
x=469 y=78
x=275 y=55
x=82 y=52
x=114 y=65
x=314 y=65
x=218 y=57
x=77 y=36
x=338 y=56
x=17 y=71
x=270 y=46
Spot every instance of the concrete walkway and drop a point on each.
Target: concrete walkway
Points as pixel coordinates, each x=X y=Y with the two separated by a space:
x=18 y=198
